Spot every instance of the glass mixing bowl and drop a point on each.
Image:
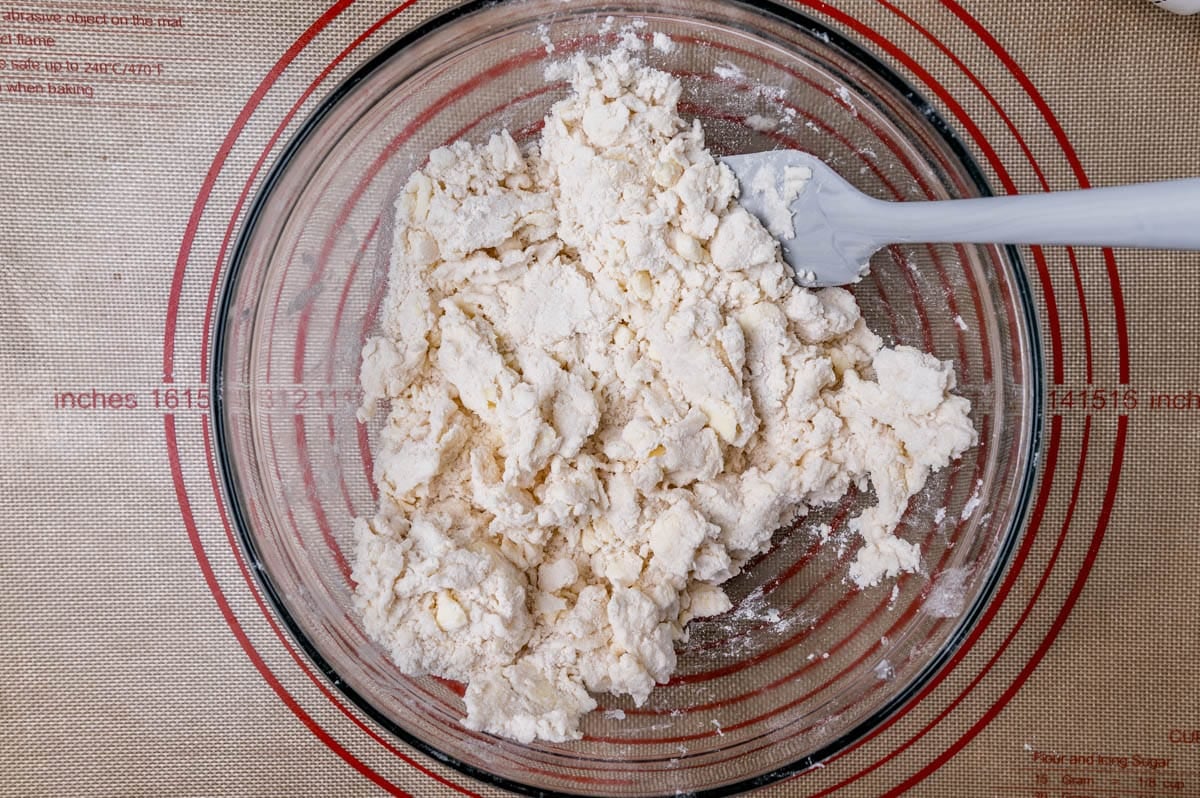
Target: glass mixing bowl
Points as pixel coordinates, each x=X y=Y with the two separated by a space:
x=805 y=664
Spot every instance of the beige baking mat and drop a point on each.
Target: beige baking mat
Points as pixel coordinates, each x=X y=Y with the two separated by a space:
x=137 y=660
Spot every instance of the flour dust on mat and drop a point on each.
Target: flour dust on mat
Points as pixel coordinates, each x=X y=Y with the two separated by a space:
x=606 y=393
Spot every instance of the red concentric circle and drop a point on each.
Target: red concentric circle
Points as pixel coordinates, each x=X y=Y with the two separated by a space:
x=1022 y=557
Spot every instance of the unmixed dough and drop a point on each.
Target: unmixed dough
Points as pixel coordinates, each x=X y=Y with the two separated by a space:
x=606 y=393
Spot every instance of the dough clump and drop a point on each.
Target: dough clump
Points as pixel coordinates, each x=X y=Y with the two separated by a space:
x=605 y=394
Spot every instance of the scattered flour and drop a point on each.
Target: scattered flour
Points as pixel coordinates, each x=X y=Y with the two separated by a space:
x=763 y=124
x=728 y=71
x=605 y=394
x=543 y=33
x=974 y=501
x=947 y=598
x=663 y=43
x=847 y=99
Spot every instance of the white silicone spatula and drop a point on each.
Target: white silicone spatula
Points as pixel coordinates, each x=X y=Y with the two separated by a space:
x=829 y=230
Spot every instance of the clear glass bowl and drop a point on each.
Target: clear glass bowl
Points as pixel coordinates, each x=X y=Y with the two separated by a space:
x=805 y=663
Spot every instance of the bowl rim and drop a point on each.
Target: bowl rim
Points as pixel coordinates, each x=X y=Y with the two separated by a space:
x=1032 y=371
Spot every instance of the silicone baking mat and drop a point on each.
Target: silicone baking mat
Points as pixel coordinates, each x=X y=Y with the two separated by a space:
x=138 y=656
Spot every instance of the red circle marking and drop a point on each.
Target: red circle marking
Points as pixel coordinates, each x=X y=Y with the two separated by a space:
x=900 y=55
x=1114 y=277
x=1085 y=569
x=1056 y=422
x=170 y=326
x=1017 y=565
x=300 y=659
x=235 y=626
x=927 y=333
x=243 y=197
x=520 y=59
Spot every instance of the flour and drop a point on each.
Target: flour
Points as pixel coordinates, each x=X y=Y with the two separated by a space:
x=606 y=393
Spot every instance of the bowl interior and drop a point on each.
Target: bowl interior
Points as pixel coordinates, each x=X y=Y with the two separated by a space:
x=804 y=663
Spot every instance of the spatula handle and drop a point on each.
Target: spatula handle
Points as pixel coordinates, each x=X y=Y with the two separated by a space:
x=1163 y=215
